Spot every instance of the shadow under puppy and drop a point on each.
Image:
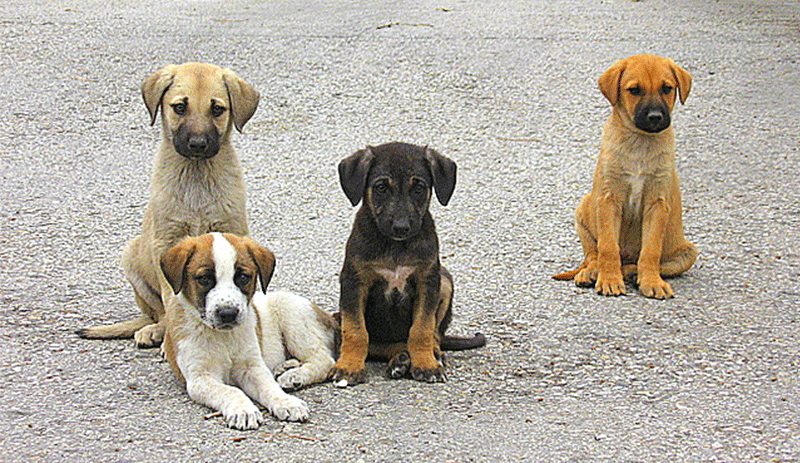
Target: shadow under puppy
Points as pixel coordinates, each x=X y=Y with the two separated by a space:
x=630 y=224
x=223 y=335
x=396 y=298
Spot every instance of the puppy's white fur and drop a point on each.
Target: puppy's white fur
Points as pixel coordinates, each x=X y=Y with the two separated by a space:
x=225 y=368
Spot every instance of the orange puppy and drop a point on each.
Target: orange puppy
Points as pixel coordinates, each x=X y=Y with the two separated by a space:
x=630 y=223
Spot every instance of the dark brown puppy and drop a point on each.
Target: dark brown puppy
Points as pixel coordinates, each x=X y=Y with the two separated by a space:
x=396 y=298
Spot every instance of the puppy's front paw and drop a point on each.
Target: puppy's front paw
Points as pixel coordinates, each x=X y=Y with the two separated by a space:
x=149 y=336
x=610 y=285
x=343 y=376
x=429 y=375
x=427 y=369
x=289 y=408
x=656 y=288
x=242 y=416
x=294 y=378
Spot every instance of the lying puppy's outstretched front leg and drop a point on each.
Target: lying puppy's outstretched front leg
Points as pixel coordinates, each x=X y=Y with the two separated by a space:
x=257 y=381
x=237 y=409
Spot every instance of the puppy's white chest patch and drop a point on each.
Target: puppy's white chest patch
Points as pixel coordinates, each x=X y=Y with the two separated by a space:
x=395 y=278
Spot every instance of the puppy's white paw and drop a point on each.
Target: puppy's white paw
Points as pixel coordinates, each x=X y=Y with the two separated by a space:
x=285 y=366
x=289 y=408
x=294 y=379
x=242 y=416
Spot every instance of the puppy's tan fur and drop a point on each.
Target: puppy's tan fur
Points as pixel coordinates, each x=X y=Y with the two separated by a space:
x=189 y=197
x=630 y=223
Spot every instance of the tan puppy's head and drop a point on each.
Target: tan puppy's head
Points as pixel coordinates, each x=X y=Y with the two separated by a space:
x=216 y=274
x=198 y=102
x=642 y=89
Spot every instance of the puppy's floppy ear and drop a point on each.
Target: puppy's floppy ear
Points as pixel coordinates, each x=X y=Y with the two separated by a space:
x=353 y=172
x=265 y=261
x=173 y=263
x=684 y=80
x=243 y=97
x=609 y=81
x=443 y=170
x=154 y=87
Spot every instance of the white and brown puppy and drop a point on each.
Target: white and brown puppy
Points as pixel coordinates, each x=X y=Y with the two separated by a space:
x=224 y=335
x=197 y=184
x=630 y=224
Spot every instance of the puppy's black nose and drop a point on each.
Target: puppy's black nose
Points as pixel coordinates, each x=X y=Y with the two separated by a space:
x=655 y=117
x=227 y=315
x=198 y=143
x=401 y=227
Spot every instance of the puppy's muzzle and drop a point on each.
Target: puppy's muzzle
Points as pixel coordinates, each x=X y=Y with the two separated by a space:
x=196 y=145
x=652 y=118
x=227 y=316
x=401 y=228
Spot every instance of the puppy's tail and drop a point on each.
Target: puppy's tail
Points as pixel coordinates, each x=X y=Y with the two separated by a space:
x=567 y=275
x=453 y=343
x=122 y=330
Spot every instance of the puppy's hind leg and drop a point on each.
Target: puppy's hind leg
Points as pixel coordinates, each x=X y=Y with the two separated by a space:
x=585 y=276
x=148 y=295
x=308 y=334
x=151 y=334
x=397 y=354
x=679 y=261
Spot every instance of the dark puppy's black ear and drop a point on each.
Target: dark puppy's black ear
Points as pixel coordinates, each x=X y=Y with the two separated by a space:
x=173 y=263
x=443 y=170
x=353 y=172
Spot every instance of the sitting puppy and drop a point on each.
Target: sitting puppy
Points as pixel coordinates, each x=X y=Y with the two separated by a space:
x=396 y=298
x=222 y=332
x=630 y=223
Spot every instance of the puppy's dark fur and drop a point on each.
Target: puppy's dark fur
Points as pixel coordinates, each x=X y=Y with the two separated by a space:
x=396 y=298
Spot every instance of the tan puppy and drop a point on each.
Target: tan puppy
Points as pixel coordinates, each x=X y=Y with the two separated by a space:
x=224 y=335
x=630 y=223
x=197 y=183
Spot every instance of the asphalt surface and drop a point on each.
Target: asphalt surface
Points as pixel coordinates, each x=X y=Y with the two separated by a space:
x=506 y=89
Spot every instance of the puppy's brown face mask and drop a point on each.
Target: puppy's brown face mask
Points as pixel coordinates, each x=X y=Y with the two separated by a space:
x=217 y=274
x=199 y=103
x=643 y=89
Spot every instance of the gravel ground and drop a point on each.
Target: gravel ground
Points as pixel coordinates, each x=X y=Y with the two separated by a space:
x=506 y=89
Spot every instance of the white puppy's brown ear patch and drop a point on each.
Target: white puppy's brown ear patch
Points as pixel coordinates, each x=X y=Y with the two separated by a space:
x=265 y=261
x=174 y=261
x=154 y=87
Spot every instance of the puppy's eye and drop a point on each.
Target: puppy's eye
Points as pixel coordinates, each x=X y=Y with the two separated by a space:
x=635 y=91
x=418 y=189
x=179 y=108
x=381 y=188
x=217 y=110
x=206 y=280
x=666 y=89
x=241 y=279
